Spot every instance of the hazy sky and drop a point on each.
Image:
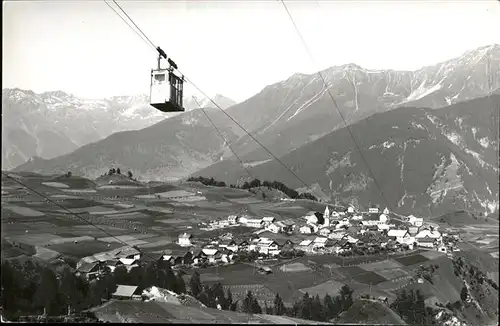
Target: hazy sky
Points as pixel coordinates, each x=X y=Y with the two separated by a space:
x=234 y=48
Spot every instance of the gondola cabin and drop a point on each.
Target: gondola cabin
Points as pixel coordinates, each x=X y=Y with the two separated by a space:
x=166 y=87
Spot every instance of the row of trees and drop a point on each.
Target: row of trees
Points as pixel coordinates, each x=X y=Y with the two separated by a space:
x=255 y=183
x=307 y=307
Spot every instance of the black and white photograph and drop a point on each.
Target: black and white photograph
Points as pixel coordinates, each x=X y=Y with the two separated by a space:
x=250 y=162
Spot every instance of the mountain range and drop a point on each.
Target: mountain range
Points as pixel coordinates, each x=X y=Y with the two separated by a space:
x=51 y=124
x=296 y=118
x=414 y=160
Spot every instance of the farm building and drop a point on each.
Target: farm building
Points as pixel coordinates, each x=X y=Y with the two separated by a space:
x=185 y=239
x=126 y=292
x=113 y=264
x=91 y=270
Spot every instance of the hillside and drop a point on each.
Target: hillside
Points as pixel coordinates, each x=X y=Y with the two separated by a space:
x=367 y=311
x=172 y=148
x=426 y=161
x=161 y=312
x=51 y=124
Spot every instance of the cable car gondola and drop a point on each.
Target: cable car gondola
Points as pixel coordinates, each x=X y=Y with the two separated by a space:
x=166 y=86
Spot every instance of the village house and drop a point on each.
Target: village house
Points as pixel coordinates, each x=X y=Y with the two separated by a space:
x=398 y=235
x=357 y=217
x=415 y=221
x=350 y=210
x=426 y=242
x=319 y=242
x=112 y=264
x=268 y=247
x=198 y=256
x=254 y=223
x=91 y=270
x=185 y=240
x=212 y=255
x=285 y=244
x=442 y=248
x=413 y=230
x=373 y=210
x=386 y=211
x=268 y=220
x=128 y=256
x=382 y=227
x=274 y=228
x=244 y=245
x=337 y=235
x=229 y=244
x=334 y=214
x=324 y=232
x=232 y=219
x=305 y=245
x=126 y=292
x=224 y=223
x=428 y=233
x=306 y=229
x=383 y=218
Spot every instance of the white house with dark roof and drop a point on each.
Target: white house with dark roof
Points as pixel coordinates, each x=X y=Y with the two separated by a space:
x=232 y=219
x=386 y=211
x=268 y=220
x=306 y=229
x=324 y=232
x=254 y=223
x=398 y=235
x=274 y=228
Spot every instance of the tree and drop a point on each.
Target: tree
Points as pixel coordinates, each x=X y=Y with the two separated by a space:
x=305 y=311
x=195 y=284
x=69 y=174
x=346 y=297
x=248 y=303
x=256 y=309
x=229 y=300
x=46 y=292
x=180 y=285
x=279 y=307
x=130 y=175
x=317 y=309
x=464 y=294
x=118 y=171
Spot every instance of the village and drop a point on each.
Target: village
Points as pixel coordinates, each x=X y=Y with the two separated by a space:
x=343 y=232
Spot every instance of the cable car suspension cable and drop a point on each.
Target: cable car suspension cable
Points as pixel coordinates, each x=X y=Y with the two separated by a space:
x=308 y=187
x=225 y=140
x=335 y=104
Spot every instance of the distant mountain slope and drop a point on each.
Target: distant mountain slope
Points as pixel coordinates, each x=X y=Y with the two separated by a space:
x=172 y=148
x=55 y=123
x=293 y=112
x=426 y=161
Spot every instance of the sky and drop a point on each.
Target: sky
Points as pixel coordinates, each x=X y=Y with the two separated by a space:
x=233 y=48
